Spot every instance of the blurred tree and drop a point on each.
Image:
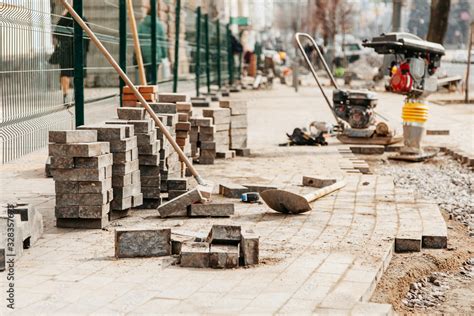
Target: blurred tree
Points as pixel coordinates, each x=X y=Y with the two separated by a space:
x=438 y=20
x=459 y=18
x=418 y=20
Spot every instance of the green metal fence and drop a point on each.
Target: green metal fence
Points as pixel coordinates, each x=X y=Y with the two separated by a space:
x=38 y=44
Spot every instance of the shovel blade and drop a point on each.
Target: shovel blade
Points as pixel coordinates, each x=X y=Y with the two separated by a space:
x=285 y=202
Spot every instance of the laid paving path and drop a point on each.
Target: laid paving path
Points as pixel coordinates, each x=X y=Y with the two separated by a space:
x=326 y=261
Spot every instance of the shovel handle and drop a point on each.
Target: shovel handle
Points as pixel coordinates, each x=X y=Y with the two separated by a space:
x=136 y=42
x=137 y=94
x=313 y=196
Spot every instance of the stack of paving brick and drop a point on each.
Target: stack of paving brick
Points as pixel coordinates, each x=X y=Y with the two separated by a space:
x=226 y=247
x=147 y=152
x=129 y=98
x=238 y=125
x=202 y=137
x=125 y=170
x=170 y=166
x=221 y=121
x=82 y=170
x=174 y=103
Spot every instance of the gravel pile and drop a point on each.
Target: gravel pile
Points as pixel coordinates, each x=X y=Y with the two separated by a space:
x=442 y=180
x=431 y=291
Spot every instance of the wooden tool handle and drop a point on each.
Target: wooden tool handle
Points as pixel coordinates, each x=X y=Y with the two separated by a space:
x=313 y=196
x=136 y=42
x=137 y=94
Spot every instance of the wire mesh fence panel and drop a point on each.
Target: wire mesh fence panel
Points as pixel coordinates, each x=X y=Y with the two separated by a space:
x=34 y=55
x=38 y=62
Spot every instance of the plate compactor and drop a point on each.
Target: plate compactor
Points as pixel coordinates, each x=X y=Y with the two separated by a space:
x=413 y=64
x=354 y=110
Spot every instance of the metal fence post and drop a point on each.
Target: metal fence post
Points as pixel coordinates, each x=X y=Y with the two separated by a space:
x=122 y=41
x=176 y=46
x=198 y=49
x=208 y=57
x=230 y=56
x=218 y=40
x=79 y=66
x=154 y=62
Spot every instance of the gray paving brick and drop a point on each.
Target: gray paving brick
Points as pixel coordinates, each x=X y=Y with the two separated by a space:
x=178 y=206
x=225 y=234
x=172 y=97
x=142 y=242
x=223 y=256
x=249 y=249
x=131 y=113
x=79 y=149
x=73 y=136
x=231 y=190
x=195 y=254
x=211 y=210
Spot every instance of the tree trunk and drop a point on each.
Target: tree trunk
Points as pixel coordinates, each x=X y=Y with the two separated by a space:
x=438 y=20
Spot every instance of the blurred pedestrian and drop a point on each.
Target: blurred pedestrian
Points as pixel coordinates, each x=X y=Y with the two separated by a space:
x=144 y=32
x=63 y=54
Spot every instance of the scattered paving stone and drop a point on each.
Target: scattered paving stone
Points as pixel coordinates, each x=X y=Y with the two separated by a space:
x=139 y=242
x=231 y=190
x=211 y=210
x=437 y=132
x=318 y=182
x=179 y=205
x=224 y=256
x=249 y=249
x=259 y=187
x=224 y=234
x=194 y=255
x=242 y=152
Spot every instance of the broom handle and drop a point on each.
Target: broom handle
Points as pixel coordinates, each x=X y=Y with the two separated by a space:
x=136 y=43
x=127 y=80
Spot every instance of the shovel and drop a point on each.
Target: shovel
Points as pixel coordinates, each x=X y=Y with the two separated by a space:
x=287 y=202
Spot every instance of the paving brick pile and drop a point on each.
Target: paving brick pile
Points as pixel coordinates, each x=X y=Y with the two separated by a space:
x=202 y=137
x=129 y=98
x=149 y=164
x=82 y=170
x=177 y=104
x=221 y=120
x=125 y=172
x=238 y=125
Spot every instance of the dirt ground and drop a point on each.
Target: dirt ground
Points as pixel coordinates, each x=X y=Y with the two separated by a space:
x=405 y=269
